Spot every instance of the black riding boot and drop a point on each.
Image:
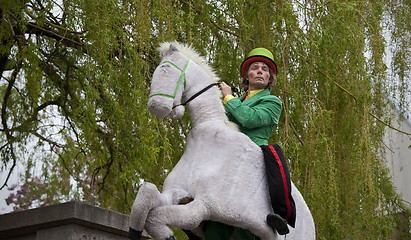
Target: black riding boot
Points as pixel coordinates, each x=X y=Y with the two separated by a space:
x=277 y=223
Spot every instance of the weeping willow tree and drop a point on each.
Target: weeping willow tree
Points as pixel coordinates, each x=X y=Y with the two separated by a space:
x=74 y=87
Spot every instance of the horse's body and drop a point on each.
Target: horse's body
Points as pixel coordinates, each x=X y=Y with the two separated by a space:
x=221 y=168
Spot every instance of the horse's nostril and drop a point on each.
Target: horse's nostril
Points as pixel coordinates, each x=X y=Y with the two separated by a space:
x=159 y=107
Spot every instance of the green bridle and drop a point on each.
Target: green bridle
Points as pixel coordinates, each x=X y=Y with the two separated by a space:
x=182 y=77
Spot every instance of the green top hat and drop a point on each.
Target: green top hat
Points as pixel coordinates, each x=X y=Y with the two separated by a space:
x=259 y=55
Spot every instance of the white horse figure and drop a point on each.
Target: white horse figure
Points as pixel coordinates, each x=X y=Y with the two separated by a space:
x=221 y=168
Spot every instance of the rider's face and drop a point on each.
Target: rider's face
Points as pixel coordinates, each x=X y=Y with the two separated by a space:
x=258 y=76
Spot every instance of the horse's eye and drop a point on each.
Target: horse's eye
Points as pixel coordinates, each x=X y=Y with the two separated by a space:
x=165 y=67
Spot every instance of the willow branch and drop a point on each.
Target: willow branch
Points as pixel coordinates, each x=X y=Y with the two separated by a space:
x=6 y=130
x=368 y=111
x=386 y=124
x=33 y=116
x=71 y=42
x=55 y=25
x=51 y=142
x=337 y=84
x=351 y=95
x=200 y=12
x=11 y=169
x=296 y=134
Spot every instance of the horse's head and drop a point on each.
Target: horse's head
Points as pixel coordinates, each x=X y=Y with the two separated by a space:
x=168 y=84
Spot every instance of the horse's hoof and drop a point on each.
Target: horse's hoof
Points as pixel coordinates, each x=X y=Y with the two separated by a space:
x=134 y=234
x=170 y=238
x=276 y=222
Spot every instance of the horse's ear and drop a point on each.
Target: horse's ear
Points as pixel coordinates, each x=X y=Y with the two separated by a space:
x=172 y=49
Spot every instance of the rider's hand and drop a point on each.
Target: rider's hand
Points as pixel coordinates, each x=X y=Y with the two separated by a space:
x=225 y=89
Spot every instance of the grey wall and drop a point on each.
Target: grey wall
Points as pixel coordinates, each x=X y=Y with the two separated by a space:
x=398 y=155
x=72 y=220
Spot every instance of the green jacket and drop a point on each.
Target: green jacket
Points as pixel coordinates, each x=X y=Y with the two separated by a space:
x=256 y=116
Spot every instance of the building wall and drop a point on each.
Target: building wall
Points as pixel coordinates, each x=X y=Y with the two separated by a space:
x=398 y=153
x=67 y=221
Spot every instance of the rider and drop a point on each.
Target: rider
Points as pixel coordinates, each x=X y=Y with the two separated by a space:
x=257 y=113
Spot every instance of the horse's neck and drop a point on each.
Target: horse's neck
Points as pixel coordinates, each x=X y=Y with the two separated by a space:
x=207 y=107
x=203 y=113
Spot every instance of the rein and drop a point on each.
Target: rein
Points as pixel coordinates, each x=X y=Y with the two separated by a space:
x=197 y=94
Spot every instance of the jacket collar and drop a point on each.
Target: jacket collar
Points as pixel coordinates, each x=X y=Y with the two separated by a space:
x=255 y=96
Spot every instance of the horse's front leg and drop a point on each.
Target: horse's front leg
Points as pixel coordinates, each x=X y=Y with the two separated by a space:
x=186 y=217
x=147 y=198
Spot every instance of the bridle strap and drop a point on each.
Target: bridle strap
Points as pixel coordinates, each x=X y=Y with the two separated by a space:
x=197 y=94
x=182 y=76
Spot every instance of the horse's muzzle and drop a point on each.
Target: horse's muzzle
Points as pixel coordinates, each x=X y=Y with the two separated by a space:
x=160 y=106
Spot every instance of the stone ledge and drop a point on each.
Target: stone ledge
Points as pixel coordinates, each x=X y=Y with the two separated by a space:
x=74 y=217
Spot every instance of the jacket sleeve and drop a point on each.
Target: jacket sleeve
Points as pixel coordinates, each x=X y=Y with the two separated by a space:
x=266 y=112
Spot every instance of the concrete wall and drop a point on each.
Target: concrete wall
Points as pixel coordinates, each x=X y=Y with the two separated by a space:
x=398 y=155
x=72 y=220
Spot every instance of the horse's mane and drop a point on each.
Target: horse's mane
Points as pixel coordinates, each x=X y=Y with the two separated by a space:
x=193 y=55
